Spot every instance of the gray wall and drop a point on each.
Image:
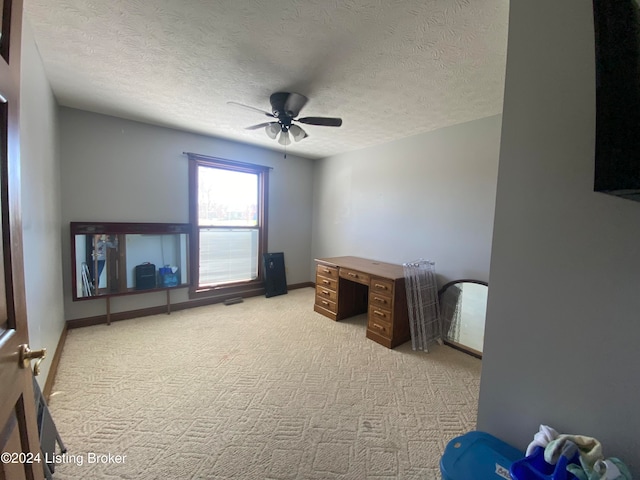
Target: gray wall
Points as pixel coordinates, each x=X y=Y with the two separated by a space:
x=427 y=196
x=123 y=171
x=561 y=339
x=40 y=184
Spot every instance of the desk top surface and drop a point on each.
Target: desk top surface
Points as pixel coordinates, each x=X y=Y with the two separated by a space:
x=364 y=265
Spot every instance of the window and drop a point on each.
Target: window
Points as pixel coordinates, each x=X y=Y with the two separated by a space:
x=227 y=204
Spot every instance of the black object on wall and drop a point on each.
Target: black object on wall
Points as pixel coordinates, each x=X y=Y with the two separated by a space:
x=275 y=280
x=617 y=42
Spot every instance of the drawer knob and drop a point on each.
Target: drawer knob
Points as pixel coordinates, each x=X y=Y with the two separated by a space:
x=379 y=313
x=379 y=285
x=378 y=299
x=325 y=292
x=379 y=327
x=351 y=274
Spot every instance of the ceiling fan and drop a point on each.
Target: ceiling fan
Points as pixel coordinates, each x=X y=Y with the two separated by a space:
x=285 y=107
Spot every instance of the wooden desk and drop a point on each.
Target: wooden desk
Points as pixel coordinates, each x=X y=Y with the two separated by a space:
x=348 y=286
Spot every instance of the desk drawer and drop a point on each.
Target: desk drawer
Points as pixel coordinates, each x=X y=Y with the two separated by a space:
x=380 y=327
x=326 y=303
x=382 y=285
x=327 y=271
x=379 y=300
x=326 y=293
x=326 y=282
x=380 y=314
x=354 y=276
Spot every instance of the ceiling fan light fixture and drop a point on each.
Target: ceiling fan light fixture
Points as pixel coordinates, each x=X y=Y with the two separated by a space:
x=297 y=133
x=272 y=130
x=284 y=139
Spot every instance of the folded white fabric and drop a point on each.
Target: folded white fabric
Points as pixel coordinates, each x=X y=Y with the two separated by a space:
x=541 y=439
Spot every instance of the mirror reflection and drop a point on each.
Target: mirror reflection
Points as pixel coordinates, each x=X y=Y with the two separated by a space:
x=117 y=261
x=463 y=306
x=98 y=248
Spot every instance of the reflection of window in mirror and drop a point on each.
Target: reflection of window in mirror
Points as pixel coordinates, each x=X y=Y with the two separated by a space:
x=472 y=315
x=463 y=305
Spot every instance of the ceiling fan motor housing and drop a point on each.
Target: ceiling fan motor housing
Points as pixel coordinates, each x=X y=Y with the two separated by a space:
x=277 y=101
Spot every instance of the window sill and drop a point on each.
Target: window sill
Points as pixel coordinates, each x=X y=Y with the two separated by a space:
x=248 y=289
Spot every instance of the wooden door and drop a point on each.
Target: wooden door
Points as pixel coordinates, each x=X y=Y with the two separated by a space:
x=18 y=428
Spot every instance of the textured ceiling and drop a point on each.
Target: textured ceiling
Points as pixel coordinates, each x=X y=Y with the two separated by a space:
x=390 y=69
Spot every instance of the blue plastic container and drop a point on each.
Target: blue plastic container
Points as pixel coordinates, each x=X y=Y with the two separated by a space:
x=478 y=456
x=534 y=467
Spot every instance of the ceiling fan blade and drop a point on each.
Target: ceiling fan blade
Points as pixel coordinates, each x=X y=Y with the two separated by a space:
x=297 y=133
x=294 y=104
x=284 y=139
x=324 y=121
x=251 y=108
x=260 y=125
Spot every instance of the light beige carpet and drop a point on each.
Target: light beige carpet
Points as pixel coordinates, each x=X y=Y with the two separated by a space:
x=266 y=389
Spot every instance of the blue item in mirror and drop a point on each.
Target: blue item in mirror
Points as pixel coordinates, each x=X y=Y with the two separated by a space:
x=168 y=277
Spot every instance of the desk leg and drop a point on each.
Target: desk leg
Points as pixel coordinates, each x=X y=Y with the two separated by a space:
x=108 y=310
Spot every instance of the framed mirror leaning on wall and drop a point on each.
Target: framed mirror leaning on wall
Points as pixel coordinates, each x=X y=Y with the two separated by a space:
x=463 y=307
x=120 y=258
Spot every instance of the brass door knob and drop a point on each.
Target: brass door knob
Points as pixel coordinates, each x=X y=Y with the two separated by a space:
x=25 y=354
